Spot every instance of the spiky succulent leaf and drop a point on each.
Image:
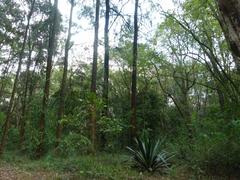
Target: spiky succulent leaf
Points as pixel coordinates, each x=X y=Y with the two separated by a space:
x=147 y=155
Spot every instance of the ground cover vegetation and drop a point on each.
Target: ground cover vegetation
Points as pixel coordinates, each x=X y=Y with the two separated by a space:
x=155 y=95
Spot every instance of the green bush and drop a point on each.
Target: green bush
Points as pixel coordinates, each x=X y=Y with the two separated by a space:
x=218 y=151
x=214 y=148
x=148 y=157
x=112 y=129
x=13 y=134
x=74 y=143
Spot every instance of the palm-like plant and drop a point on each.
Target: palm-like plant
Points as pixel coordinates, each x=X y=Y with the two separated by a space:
x=147 y=155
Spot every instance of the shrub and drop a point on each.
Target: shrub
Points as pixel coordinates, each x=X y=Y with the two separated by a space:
x=148 y=157
x=214 y=150
x=74 y=143
x=218 y=151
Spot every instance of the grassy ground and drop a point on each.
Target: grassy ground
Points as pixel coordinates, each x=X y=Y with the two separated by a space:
x=14 y=166
x=101 y=166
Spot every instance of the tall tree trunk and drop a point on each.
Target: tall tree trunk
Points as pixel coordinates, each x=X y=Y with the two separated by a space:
x=63 y=88
x=94 y=77
x=106 y=58
x=230 y=22
x=133 y=123
x=11 y=103
x=51 y=45
x=32 y=80
x=106 y=68
x=24 y=101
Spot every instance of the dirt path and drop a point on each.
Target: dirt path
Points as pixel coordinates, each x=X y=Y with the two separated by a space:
x=13 y=173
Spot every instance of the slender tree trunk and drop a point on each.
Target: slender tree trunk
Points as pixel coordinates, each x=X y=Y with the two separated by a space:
x=25 y=102
x=63 y=88
x=221 y=98
x=32 y=81
x=133 y=130
x=51 y=44
x=94 y=77
x=106 y=69
x=106 y=58
x=11 y=103
x=205 y=102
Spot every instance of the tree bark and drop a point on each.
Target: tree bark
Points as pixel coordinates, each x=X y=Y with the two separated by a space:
x=51 y=44
x=133 y=123
x=92 y=122
x=106 y=69
x=24 y=101
x=63 y=88
x=230 y=22
x=106 y=58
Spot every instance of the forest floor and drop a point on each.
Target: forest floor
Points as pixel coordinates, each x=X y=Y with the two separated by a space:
x=14 y=166
x=9 y=172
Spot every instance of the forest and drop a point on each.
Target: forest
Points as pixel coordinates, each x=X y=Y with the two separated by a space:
x=119 y=89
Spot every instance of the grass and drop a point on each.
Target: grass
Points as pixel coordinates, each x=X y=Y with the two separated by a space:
x=101 y=166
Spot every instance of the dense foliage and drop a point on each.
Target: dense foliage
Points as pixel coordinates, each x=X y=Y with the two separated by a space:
x=175 y=77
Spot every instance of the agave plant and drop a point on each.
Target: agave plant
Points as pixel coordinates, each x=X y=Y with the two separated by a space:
x=148 y=156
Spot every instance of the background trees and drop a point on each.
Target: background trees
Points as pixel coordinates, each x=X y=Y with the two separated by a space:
x=16 y=79
x=176 y=78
